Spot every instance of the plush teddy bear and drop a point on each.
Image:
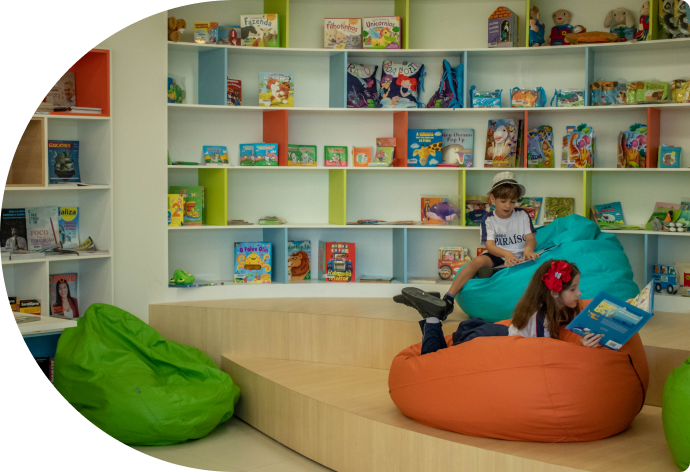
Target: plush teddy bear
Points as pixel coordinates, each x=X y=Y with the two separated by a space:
x=622 y=23
x=561 y=20
x=175 y=28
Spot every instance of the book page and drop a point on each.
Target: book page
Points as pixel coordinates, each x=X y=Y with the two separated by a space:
x=644 y=300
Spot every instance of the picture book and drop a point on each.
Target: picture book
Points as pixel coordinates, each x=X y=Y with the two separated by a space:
x=215 y=154
x=335 y=156
x=68 y=227
x=299 y=261
x=301 y=155
x=383 y=157
x=439 y=211
x=247 y=154
x=234 y=92
x=276 y=89
x=663 y=212
x=265 y=154
x=476 y=206
x=342 y=33
x=632 y=147
x=381 y=32
x=42 y=226
x=336 y=262
x=361 y=156
x=253 y=263
x=457 y=147
x=578 y=147
x=532 y=206
x=502 y=143
x=538 y=253
x=175 y=209
x=615 y=320
x=63 y=162
x=193 y=203
x=503 y=29
x=424 y=147
x=30 y=306
x=64 y=295
x=62 y=94
x=13 y=229
x=229 y=35
x=206 y=33
x=669 y=156
x=386 y=142
x=260 y=30
x=609 y=214
x=555 y=208
x=540 y=152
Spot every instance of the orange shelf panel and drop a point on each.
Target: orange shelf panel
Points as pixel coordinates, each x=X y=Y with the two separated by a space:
x=400 y=133
x=92 y=77
x=276 y=131
x=653 y=136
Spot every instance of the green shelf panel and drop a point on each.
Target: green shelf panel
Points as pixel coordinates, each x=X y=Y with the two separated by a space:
x=337 y=196
x=402 y=9
x=215 y=183
x=282 y=8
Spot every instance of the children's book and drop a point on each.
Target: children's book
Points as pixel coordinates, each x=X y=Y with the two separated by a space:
x=299 y=261
x=383 y=157
x=335 y=156
x=229 y=35
x=336 y=262
x=476 y=206
x=260 y=30
x=381 y=32
x=301 y=155
x=276 y=89
x=265 y=154
x=457 y=147
x=342 y=33
x=206 y=33
x=193 y=203
x=215 y=154
x=668 y=212
x=555 y=208
x=63 y=162
x=13 y=229
x=247 y=154
x=64 y=295
x=424 y=147
x=502 y=143
x=439 y=211
x=578 y=147
x=361 y=156
x=540 y=152
x=234 y=92
x=175 y=209
x=617 y=321
x=62 y=94
x=532 y=206
x=608 y=214
x=632 y=147
x=253 y=263
x=538 y=253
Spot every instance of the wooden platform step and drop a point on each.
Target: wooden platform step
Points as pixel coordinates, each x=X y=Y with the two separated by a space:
x=343 y=417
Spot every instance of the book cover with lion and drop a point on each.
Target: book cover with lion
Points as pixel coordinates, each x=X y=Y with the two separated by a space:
x=276 y=89
x=299 y=261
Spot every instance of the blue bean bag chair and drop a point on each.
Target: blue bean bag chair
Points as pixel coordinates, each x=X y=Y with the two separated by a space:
x=599 y=256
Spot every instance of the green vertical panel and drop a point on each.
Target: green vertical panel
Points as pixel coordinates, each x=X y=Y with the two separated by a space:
x=586 y=192
x=337 y=196
x=215 y=183
x=282 y=8
x=654 y=25
x=402 y=9
x=462 y=185
x=527 y=7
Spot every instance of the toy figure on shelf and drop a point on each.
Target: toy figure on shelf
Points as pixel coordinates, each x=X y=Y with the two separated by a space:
x=180 y=277
x=673 y=17
x=622 y=23
x=175 y=28
x=561 y=20
x=643 y=23
x=536 y=28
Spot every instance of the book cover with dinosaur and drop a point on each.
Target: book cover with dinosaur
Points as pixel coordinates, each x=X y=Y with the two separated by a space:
x=424 y=147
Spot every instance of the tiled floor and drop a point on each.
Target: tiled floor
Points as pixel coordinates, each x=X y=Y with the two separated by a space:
x=235 y=447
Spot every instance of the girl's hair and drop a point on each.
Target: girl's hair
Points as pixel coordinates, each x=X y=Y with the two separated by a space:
x=506 y=191
x=538 y=297
x=58 y=298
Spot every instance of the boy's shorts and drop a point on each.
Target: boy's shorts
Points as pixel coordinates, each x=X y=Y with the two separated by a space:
x=497 y=261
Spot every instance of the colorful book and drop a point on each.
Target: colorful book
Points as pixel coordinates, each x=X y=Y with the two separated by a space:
x=299 y=260
x=301 y=155
x=13 y=229
x=555 y=208
x=540 y=152
x=502 y=138
x=63 y=162
x=247 y=154
x=532 y=206
x=193 y=203
x=253 y=263
x=225 y=34
x=175 y=209
x=476 y=206
x=361 y=156
x=424 y=147
x=335 y=156
x=234 y=92
x=215 y=154
x=439 y=211
x=342 y=33
x=64 y=295
x=68 y=227
x=32 y=306
x=337 y=262
x=260 y=30
x=578 y=147
x=206 y=33
x=457 y=147
x=265 y=154
x=609 y=214
x=276 y=89
x=381 y=32
x=614 y=319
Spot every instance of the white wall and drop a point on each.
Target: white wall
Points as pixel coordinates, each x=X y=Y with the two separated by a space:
x=139 y=118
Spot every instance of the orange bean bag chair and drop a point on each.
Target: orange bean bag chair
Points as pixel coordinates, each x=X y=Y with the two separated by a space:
x=523 y=389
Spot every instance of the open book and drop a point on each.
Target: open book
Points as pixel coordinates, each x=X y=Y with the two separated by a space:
x=617 y=321
x=538 y=253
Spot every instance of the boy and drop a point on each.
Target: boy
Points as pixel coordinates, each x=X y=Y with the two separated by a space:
x=508 y=234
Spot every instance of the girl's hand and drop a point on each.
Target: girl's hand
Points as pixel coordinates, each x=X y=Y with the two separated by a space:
x=591 y=340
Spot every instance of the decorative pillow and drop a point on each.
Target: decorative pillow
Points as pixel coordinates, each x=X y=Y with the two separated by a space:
x=400 y=84
x=361 y=86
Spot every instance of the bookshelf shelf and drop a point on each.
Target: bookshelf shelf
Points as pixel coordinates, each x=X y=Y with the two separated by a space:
x=59 y=188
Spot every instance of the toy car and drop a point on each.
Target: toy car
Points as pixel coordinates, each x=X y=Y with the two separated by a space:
x=451 y=260
x=665 y=279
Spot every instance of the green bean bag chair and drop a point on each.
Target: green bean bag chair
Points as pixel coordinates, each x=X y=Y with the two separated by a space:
x=136 y=386
x=675 y=414
x=599 y=256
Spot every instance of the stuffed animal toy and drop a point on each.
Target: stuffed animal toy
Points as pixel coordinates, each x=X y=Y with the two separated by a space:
x=643 y=24
x=536 y=28
x=561 y=20
x=622 y=23
x=581 y=35
x=175 y=28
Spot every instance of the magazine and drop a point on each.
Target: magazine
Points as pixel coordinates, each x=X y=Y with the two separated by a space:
x=41 y=226
x=62 y=94
x=64 y=295
x=617 y=321
x=13 y=228
x=63 y=162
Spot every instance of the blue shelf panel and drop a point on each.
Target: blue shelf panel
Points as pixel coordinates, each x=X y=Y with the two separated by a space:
x=43 y=345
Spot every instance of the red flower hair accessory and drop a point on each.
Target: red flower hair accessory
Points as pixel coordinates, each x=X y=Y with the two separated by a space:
x=558 y=274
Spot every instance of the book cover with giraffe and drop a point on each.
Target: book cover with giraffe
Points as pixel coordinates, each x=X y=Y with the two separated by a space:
x=424 y=147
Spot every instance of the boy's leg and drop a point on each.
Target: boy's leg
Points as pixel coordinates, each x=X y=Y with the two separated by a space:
x=433 y=338
x=469 y=271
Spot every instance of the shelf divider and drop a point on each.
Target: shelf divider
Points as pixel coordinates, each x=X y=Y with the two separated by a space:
x=465 y=85
x=215 y=183
x=282 y=8
x=400 y=133
x=278 y=237
x=651 y=255
x=525 y=139
x=213 y=77
x=527 y=9
x=276 y=131
x=462 y=197
x=653 y=137
x=337 y=93
x=402 y=9
x=400 y=254
x=589 y=73
x=587 y=176
x=337 y=196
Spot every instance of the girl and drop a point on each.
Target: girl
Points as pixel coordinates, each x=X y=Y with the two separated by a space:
x=550 y=302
